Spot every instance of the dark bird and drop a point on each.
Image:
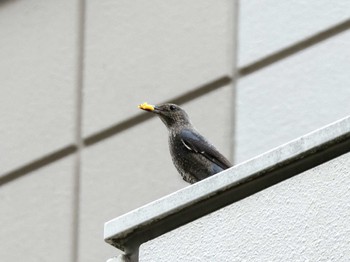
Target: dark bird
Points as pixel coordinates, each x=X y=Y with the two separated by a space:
x=193 y=156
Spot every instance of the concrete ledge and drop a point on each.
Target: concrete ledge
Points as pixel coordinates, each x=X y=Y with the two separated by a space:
x=129 y=231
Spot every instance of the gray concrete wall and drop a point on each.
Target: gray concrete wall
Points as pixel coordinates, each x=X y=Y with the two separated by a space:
x=72 y=69
x=301 y=81
x=132 y=51
x=304 y=218
x=150 y=51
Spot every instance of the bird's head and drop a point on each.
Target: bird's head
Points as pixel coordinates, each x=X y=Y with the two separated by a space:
x=172 y=115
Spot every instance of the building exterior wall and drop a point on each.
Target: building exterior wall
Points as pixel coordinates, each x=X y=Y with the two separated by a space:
x=304 y=218
x=72 y=69
x=38 y=74
x=303 y=85
x=132 y=51
x=38 y=79
x=150 y=51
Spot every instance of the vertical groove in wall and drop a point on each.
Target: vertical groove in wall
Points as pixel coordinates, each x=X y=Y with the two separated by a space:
x=234 y=56
x=78 y=127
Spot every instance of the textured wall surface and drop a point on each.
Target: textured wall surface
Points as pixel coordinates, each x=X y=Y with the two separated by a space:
x=150 y=51
x=71 y=69
x=305 y=218
x=283 y=23
x=38 y=75
x=37 y=215
x=132 y=52
x=293 y=97
x=293 y=92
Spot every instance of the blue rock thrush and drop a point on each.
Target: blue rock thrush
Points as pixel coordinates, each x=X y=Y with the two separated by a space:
x=193 y=156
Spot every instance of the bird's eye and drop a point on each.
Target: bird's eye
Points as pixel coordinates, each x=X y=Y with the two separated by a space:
x=172 y=107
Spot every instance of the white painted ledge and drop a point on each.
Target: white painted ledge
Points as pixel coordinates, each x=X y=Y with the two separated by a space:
x=130 y=230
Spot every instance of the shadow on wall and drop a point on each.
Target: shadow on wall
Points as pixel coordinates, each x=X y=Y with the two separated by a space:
x=4 y=2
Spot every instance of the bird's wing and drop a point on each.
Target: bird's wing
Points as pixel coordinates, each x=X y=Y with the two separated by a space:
x=197 y=143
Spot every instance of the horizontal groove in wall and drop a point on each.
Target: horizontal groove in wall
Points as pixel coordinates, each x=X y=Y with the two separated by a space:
x=195 y=93
x=108 y=132
x=38 y=163
x=295 y=48
x=140 y=118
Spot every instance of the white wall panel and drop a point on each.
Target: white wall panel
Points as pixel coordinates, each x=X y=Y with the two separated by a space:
x=36 y=215
x=145 y=50
x=266 y=26
x=38 y=74
x=293 y=97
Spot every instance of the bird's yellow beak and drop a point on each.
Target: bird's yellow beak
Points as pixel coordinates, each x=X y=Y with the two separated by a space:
x=146 y=107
